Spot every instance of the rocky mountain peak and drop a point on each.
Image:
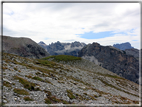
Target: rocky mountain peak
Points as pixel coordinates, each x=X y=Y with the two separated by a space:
x=41 y=42
x=59 y=48
x=112 y=59
x=123 y=46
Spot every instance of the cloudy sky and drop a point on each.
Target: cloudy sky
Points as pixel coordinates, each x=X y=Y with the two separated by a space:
x=105 y=23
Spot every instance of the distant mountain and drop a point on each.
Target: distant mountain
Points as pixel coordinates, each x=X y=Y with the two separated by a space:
x=112 y=59
x=59 y=48
x=43 y=45
x=24 y=47
x=128 y=49
x=123 y=46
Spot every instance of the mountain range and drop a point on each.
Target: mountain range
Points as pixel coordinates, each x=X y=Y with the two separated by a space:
x=122 y=62
x=59 y=48
x=52 y=74
x=113 y=59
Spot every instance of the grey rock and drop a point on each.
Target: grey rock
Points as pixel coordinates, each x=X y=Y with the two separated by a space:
x=123 y=46
x=24 y=47
x=112 y=59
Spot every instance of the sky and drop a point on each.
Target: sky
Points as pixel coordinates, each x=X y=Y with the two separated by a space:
x=105 y=23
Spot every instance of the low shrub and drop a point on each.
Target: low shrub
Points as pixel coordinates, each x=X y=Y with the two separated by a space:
x=28 y=99
x=21 y=91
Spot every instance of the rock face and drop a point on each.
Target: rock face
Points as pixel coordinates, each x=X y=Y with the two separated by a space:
x=24 y=47
x=123 y=46
x=112 y=59
x=73 y=81
x=133 y=51
x=59 y=48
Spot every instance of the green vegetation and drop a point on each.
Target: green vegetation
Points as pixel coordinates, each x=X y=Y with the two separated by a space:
x=110 y=85
x=28 y=76
x=15 y=69
x=28 y=85
x=45 y=62
x=63 y=58
x=52 y=99
x=7 y=84
x=47 y=101
x=28 y=99
x=38 y=78
x=21 y=91
x=112 y=76
x=70 y=94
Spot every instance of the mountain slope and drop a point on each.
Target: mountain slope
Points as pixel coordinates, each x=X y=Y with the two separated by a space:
x=133 y=51
x=24 y=47
x=63 y=80
x=112 y=59
x=59 y=48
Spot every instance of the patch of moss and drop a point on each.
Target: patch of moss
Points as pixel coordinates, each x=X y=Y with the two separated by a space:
x=27 y=98
x=28 y=76
x=52 y=99
x=28 y=85
x=15 y=69
x=63 y=58
x=47 y=101
x=19 y=71
x=37 y=73
x=3 y=68
x=7 y=84
x=38 y=78
x=45 y=63
x=92 y=97
x=47 y=81
x=48 y=92
x=21 y=91
x=70 y=94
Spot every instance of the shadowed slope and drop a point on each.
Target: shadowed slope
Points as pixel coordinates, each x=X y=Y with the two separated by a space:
x=24 y=47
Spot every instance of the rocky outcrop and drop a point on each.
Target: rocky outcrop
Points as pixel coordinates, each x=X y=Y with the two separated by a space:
x=123 y=46
x=112 y=59
x=59 y=48
x=24 y=47
x=133 y=51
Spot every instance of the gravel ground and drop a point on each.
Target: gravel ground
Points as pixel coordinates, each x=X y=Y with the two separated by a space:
x=79 y=82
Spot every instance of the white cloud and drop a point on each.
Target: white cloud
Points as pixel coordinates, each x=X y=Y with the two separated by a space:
x=53 y=22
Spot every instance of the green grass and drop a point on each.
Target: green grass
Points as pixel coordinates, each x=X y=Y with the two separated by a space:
x=47 y=101
x=52 y=99
x=21 y=91
x=7 y=84
x=28 y=85
x=70 y=94
x=38 y=78
x=45 y=63
x=110 y=85
x=63 y=58
x=15 y=69
x=28 y=99
x=112 y=76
